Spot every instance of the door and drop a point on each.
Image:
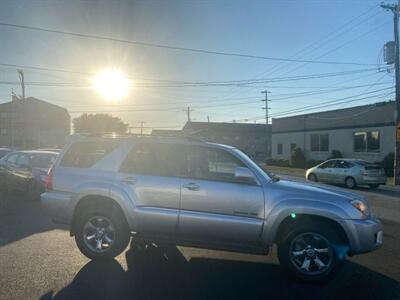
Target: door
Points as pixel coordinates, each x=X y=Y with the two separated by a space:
x=214 y=206
x=23 y=172
x=326 y=171
x=342 y=170
x=7 y=171
x=150 y=174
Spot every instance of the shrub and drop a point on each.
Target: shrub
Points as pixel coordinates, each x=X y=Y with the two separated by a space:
x=336 y=154
x=277 y=162
x=297 y=158
x=388 y=164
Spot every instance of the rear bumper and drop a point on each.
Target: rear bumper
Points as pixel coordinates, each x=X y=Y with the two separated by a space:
x=58 y=206
x=364 y=235
x=371 y=180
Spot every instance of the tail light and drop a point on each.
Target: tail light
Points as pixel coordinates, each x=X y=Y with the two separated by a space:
x=48 y=182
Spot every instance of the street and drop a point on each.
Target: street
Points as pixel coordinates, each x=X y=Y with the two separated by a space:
x=39 y=260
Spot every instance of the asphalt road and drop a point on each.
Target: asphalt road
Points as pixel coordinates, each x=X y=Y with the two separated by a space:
x=40 y=261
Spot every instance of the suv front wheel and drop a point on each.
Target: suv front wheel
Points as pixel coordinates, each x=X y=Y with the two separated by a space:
x=101 y=233
x=311 y=254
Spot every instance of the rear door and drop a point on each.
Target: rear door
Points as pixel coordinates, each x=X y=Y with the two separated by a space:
x=326 y=171
x=343 y=169
x=214 y=206
x=151 y=174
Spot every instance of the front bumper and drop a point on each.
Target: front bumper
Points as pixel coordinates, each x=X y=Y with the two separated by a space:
x=364 y=235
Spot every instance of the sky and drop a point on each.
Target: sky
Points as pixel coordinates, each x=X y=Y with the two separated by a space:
x=312 y=30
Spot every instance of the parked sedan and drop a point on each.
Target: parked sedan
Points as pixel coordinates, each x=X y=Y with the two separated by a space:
x=25 y=171
x=350 y=172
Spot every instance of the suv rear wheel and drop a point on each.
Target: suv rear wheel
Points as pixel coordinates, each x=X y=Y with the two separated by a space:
x=310 y=254
x=101 y=233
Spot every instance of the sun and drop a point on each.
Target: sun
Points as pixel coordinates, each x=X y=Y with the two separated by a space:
x=111 y=84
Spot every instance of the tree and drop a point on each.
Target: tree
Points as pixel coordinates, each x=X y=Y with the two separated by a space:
x=98 y=124
x=297 y=158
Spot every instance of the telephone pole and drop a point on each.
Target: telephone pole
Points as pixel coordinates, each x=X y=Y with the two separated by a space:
x=267 y=131
x=141 y=127
x=188 y=111
x=395 y=10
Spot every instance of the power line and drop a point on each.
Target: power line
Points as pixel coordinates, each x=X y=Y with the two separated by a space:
x=187 y=49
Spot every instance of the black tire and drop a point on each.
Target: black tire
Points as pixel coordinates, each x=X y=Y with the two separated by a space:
x=121 y=234
x=350 y=183
x=374 y=186
x=288 y=260
x=312 y=177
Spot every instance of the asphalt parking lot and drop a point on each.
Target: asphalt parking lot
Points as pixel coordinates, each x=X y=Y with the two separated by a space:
x=40 y=261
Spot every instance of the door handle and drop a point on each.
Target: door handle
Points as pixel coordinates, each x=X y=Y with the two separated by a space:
x=191 y=186
x=129 y=180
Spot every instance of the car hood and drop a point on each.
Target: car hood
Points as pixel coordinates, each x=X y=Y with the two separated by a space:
x=315 y=190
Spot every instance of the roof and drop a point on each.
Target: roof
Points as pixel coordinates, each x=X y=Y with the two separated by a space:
x=224 y=128
x=371 y=115
x=40 y=104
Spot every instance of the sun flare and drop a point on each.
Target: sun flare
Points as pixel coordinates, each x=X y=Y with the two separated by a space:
x=111 y=84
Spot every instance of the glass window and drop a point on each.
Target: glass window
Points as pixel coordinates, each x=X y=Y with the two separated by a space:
x=367 y=141
x=211 y=164
x=155 y=159
x=43 y=160
x=280 y=149
x=86 y=154
x=320 y=142
x=23 y=160
x=328 y=164
x=342 y=164
x=12 y=159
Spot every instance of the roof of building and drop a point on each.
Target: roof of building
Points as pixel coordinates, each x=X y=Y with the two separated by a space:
x=223 y=128
x=371 y=115
x=37 y=104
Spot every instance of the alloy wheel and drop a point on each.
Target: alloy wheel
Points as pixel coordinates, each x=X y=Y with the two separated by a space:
x=311 y=253
x=99 y=234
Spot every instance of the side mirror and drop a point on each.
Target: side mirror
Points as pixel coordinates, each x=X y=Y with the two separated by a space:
x=244 y=175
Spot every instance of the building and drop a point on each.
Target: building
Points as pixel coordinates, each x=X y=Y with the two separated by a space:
x=364 y=132
x=250 y=138
x=33 y=123
x=166 y=132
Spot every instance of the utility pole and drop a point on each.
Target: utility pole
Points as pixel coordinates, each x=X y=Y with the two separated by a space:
x=267 y=131
x=188 y=111
x=141 y=127
x=395 y=10
x=208 y=119
x=22 y=81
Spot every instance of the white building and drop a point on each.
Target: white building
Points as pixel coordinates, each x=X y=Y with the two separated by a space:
x=365 y=132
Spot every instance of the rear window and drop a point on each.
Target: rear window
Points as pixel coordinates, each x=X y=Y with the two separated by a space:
x=43 y=160
x=87 y=153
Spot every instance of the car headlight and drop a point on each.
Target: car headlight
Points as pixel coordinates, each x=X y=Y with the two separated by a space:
x=360 y=206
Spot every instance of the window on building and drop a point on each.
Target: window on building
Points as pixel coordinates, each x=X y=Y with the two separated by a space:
x=366 y=141
x=320 y=142
x=292 y=146
x=280 y=149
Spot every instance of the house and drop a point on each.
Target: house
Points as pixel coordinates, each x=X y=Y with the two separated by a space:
x=33 y=123
x=364 y=132
x=250 y=138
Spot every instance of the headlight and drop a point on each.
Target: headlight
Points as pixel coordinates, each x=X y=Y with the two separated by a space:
x=360 y=206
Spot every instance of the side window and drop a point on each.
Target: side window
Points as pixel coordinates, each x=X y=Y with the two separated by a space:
x=212 y=164
x=328 y=164
x=12 y=159
x=86 y=153
x=23 y=160
x=155 y=159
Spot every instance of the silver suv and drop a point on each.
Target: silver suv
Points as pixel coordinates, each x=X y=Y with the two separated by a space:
x=187 y=192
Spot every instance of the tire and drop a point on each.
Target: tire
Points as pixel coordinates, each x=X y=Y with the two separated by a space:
x=293 y=261
x=373 y=186
x=312 y=177
x=350 y=183
x=102 y=232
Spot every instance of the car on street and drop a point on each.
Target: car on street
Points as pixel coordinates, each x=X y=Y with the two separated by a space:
x=183 y=191
x=25 y=171
x=350 y=172
x=4 y=151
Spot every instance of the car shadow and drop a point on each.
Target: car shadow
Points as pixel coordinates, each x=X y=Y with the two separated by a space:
x=21 y=217
x=164 y=273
